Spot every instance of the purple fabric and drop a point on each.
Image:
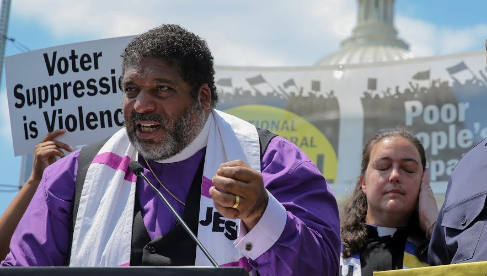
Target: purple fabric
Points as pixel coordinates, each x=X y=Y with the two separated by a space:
x=116 y=162
x=309 y=244
x=177 y=177
x=206 y=184
x=242 y=262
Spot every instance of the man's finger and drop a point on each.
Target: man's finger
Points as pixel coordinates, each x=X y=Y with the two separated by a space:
x=229 y=185
x=233 y=163
x=224 y=199
x=227 y=212
x=244 y=174
x=55 y=143
x=50 y=136
x=63 y=146
x=50 y=151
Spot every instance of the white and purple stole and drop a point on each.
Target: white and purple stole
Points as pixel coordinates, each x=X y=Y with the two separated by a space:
x=103 y=227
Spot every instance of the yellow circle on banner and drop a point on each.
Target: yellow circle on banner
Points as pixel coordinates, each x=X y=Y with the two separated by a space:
x=297 y=130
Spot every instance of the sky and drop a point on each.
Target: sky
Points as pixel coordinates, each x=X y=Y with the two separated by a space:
x=239 y=33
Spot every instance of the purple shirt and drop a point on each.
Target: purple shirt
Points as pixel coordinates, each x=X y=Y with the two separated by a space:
x=308 y=245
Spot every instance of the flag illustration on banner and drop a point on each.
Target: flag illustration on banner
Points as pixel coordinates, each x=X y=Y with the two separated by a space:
x=289 y=82
x=315 y=85
x=259 y=79
x=457 y=68
x=372 y=84
x=423 y=75
x=225 y=82
x=256 y=80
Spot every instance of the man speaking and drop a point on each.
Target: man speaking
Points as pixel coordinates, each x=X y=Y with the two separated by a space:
x=253 y=199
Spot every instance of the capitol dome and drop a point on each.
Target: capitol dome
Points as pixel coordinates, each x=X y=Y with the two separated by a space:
x=374 y=39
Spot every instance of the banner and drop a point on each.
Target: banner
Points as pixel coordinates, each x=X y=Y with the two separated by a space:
x=440 y=99
x=329 y=112
x=470 y=269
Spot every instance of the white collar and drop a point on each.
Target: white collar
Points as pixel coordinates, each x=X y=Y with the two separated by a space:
x=198 y=143
x=385 y=231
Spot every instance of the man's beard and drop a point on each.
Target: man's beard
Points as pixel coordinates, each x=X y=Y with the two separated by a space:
x=180 y=131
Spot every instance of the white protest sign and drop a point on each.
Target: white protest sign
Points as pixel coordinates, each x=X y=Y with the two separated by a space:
x=72 y=87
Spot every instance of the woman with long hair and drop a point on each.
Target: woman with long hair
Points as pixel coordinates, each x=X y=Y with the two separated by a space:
x=389 y=217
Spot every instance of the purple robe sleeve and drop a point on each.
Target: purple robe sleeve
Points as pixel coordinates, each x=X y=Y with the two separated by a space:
x=42 y=236
x=310 y=241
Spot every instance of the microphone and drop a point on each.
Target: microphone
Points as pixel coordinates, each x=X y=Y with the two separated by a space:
x=139 y=171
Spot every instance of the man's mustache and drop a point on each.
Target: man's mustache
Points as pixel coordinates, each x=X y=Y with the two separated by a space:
x=147 y=117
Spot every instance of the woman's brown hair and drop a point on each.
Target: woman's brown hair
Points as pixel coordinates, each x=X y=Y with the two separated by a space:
x=353 y=232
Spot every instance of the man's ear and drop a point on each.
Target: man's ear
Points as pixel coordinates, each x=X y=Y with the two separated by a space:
x=204 y=97
x=363 y=184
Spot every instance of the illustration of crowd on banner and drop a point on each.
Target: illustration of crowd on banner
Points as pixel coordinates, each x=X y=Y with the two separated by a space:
x=441 y=105
x=440 y=99
x=445 y=115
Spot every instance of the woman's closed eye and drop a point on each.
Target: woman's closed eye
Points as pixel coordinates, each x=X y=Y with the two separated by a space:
x=383 y=167
x=410 y=168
